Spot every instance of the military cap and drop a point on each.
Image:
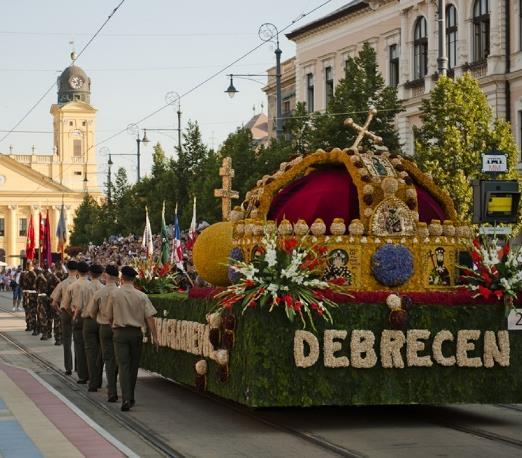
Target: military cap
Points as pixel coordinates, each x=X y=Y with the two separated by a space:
x=72 y=265
x=112 y=270
x=96 y=269
x=83 y=267
x=128 y=271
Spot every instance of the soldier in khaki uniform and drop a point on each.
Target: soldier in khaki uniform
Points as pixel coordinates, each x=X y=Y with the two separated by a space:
x=81 y=292
x=62 y=305
x=91 y=335
x=129 y=310
x=97 y=309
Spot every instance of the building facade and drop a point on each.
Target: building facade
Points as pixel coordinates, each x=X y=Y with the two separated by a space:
x=36 y=184
x=483 y=37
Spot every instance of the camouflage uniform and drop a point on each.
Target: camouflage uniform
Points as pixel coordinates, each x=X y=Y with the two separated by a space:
x=43 y=306
x=30 y=300
x=54 y=315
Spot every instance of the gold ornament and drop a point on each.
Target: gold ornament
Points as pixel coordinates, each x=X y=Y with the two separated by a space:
x=356 y=227
x=211 y=251
x=338 y=227
x=285 y=227
x=318 y=227
x=300 y=227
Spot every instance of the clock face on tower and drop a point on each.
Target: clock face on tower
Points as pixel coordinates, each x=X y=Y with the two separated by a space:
x=76 y=82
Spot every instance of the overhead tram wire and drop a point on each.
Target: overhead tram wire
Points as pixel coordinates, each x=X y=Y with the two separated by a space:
x=24 y=117
x=212 y=76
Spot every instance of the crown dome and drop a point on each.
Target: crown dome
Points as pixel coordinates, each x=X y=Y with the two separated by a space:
x=74 y=85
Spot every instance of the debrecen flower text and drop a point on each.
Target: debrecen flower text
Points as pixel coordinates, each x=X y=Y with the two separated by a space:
x=398 y=349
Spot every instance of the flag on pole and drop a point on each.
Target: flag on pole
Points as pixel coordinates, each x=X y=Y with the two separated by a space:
x=61 y=231
x=177 y=250
x=192 y=235
x=41 y=239
x=29 y=246
x=165 y=255
x=48 y=248
x=147 y=241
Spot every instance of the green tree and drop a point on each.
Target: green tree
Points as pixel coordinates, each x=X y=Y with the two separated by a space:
x=87 y=224
x=363 y=86
x=458 y=126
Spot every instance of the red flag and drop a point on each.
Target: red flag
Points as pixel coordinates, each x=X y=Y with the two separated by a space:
x=192 y=234
x=29 y=246
x=41 y=239
x=48 y=248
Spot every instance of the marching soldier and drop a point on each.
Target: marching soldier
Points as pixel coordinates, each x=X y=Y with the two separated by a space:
x=80 y=294
x=61 y=302
x=30 y=298
x=98 y=311
x=42 y=305
x=129 y=310
x=54 y=316
x=91 y=335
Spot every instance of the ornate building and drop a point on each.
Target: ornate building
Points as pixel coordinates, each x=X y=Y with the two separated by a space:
x=483 y=36
x=34 y=184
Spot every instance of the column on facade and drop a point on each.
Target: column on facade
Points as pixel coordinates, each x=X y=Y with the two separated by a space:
x=35 y=214
x=404 y=70
x=12 y=234
x=55 y=218
x=497 y=37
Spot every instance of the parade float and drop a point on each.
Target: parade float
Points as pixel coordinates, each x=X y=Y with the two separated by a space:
x=338 y=282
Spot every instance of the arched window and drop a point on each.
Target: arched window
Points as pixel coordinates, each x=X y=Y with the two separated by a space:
x=420 y=49
x=451 y=35
x=480 y=30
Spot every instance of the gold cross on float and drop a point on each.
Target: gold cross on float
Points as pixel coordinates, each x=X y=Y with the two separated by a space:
x=363 y=131
x=226 y=172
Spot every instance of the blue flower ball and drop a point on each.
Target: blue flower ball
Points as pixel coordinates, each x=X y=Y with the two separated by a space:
x=237 y=255
x=392 y=265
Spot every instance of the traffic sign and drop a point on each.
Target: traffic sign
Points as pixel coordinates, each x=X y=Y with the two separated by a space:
x=494 y=162
x=492 y=230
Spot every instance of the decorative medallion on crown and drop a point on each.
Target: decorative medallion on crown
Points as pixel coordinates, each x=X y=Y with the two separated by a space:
x=386 y=224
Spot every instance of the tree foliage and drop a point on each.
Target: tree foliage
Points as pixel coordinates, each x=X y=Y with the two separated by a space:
x=458 y=126
x=194 y=171
x=363 y=86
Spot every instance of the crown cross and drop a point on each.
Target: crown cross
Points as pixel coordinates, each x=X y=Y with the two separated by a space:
x=226 y=172
x=363 y=131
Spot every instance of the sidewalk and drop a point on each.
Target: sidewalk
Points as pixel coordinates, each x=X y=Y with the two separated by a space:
x=36 y=420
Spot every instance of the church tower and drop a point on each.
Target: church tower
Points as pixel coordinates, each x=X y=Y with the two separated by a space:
x=74 y=125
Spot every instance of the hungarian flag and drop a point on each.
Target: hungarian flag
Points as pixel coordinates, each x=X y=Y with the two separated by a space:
x=61 y=230
x=48 y=248
x=177 y=250
x=192 y=235
x=29 y=246
x=41 y=239
x=147 y=241
x=165 y=255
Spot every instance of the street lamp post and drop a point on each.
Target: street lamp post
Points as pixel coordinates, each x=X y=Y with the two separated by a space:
x=267 y=32
x=133 y=129
x=143 y=140
x=171 y=98
x=109 y=180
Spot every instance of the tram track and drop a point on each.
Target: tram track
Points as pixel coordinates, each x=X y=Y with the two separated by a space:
x=151 y=438
x=474 y=431
x=157 y=443
x=144 y=433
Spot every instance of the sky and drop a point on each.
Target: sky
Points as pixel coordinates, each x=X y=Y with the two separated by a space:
x=148 y=49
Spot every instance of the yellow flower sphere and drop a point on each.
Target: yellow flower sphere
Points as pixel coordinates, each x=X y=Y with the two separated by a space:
x=211 y=253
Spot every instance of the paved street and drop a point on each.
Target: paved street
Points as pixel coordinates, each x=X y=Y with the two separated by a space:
x=175 y=421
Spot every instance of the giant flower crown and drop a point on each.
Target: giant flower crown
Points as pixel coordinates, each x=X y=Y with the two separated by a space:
x=385 y=223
